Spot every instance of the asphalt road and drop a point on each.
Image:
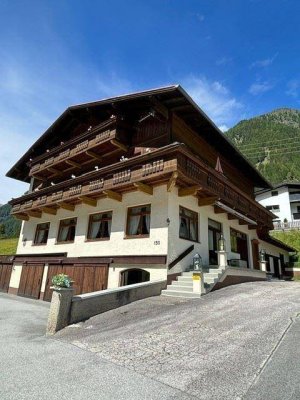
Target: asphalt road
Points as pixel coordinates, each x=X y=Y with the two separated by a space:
x=236 y=343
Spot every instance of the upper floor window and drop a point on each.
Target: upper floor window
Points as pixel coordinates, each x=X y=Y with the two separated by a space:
x=274 y=193
x=99 y=226
x=273 y=208
x=188 y=224
x=67 y=228
x=41 y=233
x=138 y=221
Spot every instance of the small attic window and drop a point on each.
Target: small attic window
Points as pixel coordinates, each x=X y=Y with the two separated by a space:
x=274 y=193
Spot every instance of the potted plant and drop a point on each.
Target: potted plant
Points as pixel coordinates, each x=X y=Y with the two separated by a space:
x=61 y=281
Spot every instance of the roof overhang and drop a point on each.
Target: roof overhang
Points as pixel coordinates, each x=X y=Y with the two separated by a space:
x=173 y=98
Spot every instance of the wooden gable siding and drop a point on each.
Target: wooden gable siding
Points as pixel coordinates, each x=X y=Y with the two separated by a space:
x=184 y=134
x=152 y=132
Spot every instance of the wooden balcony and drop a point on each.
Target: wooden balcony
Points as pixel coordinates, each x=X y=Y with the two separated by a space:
x=173 y=165
x=93 y=145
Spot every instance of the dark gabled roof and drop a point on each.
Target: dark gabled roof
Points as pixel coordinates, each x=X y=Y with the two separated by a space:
x=174 y=98
x=290 y=185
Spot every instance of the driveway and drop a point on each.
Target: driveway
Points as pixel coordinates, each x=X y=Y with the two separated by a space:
x=236 y=343
x=33 y=367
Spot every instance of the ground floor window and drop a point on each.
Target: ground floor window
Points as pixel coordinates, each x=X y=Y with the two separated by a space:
x=41 y=233
x=99 y=226
x=188 y=225
x=66 y=232
x=134 y=275
x=138 y=221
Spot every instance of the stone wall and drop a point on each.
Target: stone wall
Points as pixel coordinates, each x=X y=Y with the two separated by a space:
x=87 y=305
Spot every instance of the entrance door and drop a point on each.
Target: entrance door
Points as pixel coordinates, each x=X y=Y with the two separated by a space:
x=31 y=280
x=214 y=233
x=5 y=274
x=255 y=253
x=239 y=244
x=276 y=267
x=86 y=278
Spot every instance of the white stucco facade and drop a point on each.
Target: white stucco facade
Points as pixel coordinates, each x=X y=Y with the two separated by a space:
x=284 y=198
x=163 y=240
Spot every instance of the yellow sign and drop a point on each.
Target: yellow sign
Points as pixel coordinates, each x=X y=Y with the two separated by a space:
x=196 y=278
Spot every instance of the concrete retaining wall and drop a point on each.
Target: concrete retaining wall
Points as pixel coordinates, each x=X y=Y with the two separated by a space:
x=87 y=305
x=234 y=276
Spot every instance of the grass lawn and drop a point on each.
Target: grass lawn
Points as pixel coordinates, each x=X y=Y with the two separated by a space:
x=292 y=238
x=8 y=246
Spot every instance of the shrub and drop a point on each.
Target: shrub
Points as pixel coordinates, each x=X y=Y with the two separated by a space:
x=62 y=280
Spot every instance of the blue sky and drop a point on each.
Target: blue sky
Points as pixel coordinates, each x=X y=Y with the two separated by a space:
x=237 y=58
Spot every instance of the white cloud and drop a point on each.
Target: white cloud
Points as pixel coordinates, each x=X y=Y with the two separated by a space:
x=224 y=61
x=223 y=128
x=293 y=88
x=260 y=87
x=264 y=63
x=215 y=99
x=30 y=101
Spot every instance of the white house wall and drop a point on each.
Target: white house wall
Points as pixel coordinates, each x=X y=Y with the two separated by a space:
x=156 y=244
x=178 y=245
x=283 y=200
x=164 y=233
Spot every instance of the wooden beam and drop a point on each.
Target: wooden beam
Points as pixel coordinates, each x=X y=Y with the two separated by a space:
x=188 y=191
x=206 y=201
x=54 y=170
x=34 y=213
x=231 y=217
x=242 y=222
x=94 y=155
x=119 y=144
x=73 y=163
x=88 y=200
x=23 y=217
x=49 y=210
x=66 y=206
x=142 y=187
x=219 y=210
x=159 y=107
x=40 y=178
x=252 y=227
x=172 y=181
x=113 y=195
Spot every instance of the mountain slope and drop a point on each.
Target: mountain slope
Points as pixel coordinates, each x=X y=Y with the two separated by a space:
x=9 y=226
x=272 y=143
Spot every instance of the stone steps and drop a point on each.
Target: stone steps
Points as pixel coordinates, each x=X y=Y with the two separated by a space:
x=183 y=286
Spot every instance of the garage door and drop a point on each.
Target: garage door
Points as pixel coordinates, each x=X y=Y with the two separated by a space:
x=5 y=274
x=31 y=280
x=86 y=278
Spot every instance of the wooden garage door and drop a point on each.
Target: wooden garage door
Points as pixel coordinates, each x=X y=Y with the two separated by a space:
x=86 y=278
x=31 y=280
x=5 y=274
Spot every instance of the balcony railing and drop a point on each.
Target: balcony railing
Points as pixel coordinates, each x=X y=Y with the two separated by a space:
x=286 y=226
x=172 y=165
x=294 y=197
x=92 y=145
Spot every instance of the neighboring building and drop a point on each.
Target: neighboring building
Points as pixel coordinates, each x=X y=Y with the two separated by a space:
x=128 y=189
x=284 y=201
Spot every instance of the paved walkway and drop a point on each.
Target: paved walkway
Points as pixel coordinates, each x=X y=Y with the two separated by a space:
x=236 y=343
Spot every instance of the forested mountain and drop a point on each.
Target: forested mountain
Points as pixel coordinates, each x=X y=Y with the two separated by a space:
x=272 y=143
x=9 y=226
